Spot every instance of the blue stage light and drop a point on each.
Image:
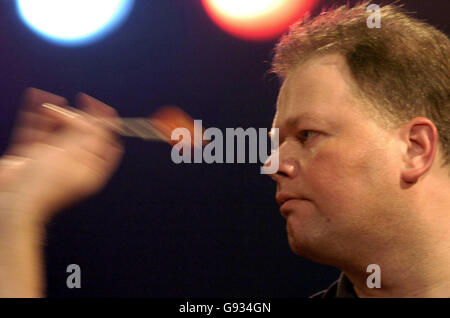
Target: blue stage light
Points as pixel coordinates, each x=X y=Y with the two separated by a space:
x=73 y=22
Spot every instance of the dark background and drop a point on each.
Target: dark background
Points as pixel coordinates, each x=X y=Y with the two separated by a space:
x=161 y=229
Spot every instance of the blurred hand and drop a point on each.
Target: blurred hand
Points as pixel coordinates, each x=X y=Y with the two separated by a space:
x=54 y=159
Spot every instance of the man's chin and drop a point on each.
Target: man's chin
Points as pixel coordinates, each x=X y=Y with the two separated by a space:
x=313 y=250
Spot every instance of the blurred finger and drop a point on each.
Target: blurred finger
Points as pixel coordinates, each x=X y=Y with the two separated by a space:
x=103 y=112
x=31 y=113
x=32 y=123
x=81 y=129
x=100 y=148
x=38 y=127
x=94 y=106
x=33 y=98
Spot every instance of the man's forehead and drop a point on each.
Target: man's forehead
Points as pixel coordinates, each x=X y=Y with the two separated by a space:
x=324 y=69
x=315 y=91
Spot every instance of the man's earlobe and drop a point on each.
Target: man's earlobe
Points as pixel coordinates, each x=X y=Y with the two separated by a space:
x=422 y=142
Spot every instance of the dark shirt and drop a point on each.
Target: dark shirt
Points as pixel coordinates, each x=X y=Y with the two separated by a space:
x=341 y=288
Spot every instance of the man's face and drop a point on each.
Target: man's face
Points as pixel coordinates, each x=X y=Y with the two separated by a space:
x=335 y=156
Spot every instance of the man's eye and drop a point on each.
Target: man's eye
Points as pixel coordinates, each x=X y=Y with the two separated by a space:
x=306 y=135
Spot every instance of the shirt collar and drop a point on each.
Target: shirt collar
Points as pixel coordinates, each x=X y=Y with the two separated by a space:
x=344 y=288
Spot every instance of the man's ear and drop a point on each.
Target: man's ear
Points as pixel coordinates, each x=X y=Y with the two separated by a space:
x=421 y=138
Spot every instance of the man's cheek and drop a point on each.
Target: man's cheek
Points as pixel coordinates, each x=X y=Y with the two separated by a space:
x=336 y=179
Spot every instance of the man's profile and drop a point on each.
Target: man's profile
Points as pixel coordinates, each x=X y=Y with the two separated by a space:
x=364 y=157
x=363 y=116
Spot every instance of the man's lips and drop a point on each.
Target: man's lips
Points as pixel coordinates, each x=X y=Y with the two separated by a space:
x=286 y=201
x=289 y=205
x=283 y=197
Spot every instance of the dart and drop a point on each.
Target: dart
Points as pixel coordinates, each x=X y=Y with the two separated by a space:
x=157 y=127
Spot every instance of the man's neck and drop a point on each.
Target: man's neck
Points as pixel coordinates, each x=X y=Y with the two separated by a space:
x=414 y=273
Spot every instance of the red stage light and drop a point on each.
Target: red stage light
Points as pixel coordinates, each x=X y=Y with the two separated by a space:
x=258 y=20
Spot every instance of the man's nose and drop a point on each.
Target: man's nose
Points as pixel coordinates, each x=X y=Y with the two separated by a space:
x=288 y=168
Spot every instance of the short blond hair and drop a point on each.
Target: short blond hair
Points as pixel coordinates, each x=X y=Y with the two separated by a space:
x=402 y=68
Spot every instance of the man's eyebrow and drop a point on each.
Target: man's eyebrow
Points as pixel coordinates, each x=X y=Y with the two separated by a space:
x=295 y=121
